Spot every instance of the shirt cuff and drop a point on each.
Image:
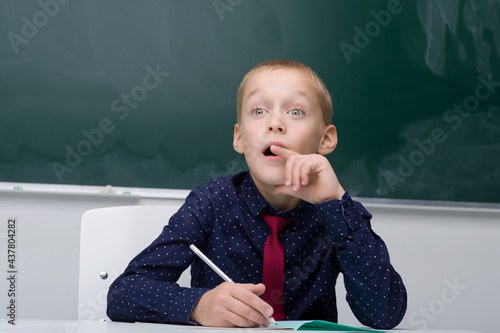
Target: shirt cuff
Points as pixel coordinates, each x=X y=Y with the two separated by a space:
x=181 y=306
x=353 y=213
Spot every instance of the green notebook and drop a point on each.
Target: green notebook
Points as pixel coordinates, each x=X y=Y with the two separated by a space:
x=320 y=325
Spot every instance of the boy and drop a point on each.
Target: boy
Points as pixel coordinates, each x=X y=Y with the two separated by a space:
x=284 y=130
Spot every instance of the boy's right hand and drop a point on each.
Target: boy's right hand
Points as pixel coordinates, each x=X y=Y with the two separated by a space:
x=232 y=305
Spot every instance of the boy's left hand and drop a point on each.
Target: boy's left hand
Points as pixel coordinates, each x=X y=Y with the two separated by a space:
x=308 y=177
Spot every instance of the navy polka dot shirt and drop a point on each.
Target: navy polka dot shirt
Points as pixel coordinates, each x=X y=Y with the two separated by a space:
x=223 y=219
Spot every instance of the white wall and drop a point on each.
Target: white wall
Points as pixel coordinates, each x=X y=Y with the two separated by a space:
x=433 y=247
x=48 y=241
x=449 y=260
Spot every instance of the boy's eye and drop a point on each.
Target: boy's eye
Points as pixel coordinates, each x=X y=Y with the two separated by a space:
x=258 y=112
x=296 y=112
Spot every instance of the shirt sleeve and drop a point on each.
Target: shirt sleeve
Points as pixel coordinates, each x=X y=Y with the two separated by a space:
x=147 y=290
x=375 y=291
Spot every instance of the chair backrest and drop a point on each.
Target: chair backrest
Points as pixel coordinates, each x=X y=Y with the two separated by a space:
x=110 y=238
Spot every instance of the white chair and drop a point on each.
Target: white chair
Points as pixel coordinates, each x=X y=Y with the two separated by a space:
x=110 y=238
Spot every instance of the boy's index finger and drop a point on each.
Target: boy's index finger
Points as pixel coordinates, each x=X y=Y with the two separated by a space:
x=282 y=152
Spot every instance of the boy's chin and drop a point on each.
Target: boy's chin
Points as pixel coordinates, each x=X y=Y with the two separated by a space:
x=275 y=180
x=270 y=179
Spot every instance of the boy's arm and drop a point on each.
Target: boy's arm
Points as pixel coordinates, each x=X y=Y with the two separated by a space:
x=375 y=291
x=142 y=297
x=147 y=290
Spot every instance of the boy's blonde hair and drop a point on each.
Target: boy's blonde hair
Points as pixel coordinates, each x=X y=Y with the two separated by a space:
x=325 y=100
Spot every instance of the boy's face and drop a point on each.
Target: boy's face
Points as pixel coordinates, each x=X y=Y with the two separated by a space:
x=280 y=107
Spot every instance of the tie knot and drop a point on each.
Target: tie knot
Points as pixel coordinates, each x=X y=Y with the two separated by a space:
x=275 y=223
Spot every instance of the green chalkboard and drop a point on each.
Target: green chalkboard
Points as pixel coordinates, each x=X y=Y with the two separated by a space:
x=143 y=93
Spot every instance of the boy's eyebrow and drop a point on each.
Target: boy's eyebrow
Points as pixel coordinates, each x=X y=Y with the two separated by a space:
x=304 y=94
x=253 y=92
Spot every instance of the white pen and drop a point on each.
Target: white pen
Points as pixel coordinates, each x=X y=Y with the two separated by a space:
x=218 y=271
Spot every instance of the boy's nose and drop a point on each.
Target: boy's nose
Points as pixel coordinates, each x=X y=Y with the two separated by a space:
x=276 y=125
x=276 y=128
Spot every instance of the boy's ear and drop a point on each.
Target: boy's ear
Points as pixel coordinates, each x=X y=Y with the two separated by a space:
x=329 y=140
x=237 y=139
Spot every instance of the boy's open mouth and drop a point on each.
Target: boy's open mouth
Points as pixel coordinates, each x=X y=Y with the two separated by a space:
x=268 y=152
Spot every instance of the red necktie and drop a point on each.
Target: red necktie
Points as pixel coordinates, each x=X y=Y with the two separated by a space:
x=274 y=265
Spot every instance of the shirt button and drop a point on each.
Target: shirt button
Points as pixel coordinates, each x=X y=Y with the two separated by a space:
x=346 y=212
x=363 y=249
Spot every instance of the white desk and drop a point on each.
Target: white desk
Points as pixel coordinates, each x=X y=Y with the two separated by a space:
x=68 y=326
